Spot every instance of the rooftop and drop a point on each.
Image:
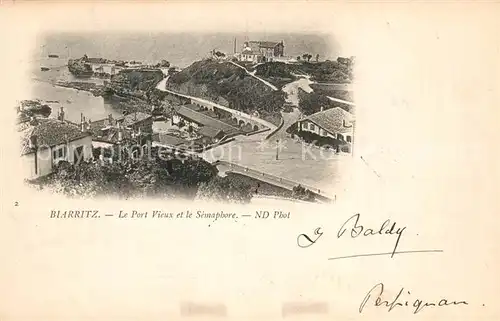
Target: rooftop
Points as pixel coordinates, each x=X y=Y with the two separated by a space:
x=169 y=139
x=110 y=135
x=332 y=120
x=210 y=131
x=248 y=51
x=50 y=132
x=193 y=107
x=266 y=44
x=205 y=120
x=134 y=118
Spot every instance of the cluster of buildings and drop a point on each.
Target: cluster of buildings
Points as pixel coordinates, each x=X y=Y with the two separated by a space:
x=47 y=141
x=203 y=127
x=255 y=52
x=261 y=51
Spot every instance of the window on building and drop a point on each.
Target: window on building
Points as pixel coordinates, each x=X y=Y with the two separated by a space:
x=59 y=153
x=311 y=126
x=348 y=138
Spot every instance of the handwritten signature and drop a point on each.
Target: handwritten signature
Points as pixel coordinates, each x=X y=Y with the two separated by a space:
x=378 y=290
x=356 y=229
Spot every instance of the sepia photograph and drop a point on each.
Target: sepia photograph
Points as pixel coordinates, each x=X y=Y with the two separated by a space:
x=220 y=116
x=249 y=160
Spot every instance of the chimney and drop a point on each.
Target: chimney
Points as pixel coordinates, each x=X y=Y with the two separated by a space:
x=135 y=116
x=321 y=108
x=110 y=119
x=234 y=45
x=88 y=124
x=61 y=114
x=81 y=118
x=120 y=133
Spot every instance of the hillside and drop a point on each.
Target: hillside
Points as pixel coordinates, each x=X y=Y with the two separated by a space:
x=228 y=85
x=339 y=71
x=310 y=103
x=134 y=89
x=134 y=82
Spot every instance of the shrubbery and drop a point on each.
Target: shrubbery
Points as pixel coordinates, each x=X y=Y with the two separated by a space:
x=241 y=91
x=310 y=103
x=301 y=193
x=225 y=189
x=145 y=176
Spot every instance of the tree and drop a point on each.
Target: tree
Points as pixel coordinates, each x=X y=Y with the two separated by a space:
x=304 y=56
x=309 y=56
x=164 y=63
x=317 y=57
x=298 y=57
x=301 y=193
x=85 y=179
x=191 y=172
x=225 y=189
x=310 y=103
x=171 y=71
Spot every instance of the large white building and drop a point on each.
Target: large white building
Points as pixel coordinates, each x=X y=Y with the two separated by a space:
x=260 y=51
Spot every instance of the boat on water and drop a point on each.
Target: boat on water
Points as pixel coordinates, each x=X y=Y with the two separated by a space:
x=53 y=56
x=45 y=69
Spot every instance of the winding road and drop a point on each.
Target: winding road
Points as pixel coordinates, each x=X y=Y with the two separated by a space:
x=297 y=163
x=265 y=82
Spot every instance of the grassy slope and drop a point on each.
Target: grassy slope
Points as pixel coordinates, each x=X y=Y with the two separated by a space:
x=229 y=85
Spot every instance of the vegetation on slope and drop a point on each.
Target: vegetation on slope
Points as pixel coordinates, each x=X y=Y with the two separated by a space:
x=277 y=73
x=228 y=85
x=137 y=83
x=339 y=71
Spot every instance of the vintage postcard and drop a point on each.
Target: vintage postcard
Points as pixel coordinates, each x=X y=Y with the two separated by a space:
x=301 y=160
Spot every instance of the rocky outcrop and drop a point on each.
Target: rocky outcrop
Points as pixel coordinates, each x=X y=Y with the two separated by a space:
x=80 y=67
x=137 y=83
x=95 y=89
x=34 y=108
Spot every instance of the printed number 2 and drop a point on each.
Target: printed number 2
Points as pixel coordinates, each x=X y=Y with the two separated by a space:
x=16 y=203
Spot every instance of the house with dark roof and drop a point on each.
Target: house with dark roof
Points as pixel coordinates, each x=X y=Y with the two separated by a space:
x=49 y=141
x=138 y=121
x=187 y=115
x=124 y=132
x=211 y=132
x=334 y=123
